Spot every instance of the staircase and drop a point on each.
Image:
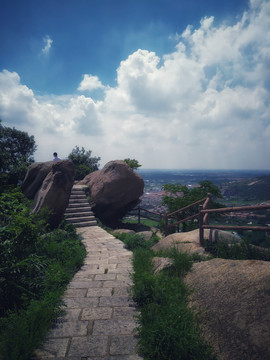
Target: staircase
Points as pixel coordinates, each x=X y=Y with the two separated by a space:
x=79 y=211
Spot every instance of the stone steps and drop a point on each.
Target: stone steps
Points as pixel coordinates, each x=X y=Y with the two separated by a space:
x=79 y=211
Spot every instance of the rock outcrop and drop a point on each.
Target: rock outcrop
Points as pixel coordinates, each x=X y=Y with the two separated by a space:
x=115 y=190
x=49 y=184
x=36 y=173
x=233 y=297
x=189 y=241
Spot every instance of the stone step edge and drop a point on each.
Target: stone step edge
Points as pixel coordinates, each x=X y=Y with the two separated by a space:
x=84 y=209
x=78 y=201
x=78 y=214
x=79 y=204
x=80 y=219
x=85 y=224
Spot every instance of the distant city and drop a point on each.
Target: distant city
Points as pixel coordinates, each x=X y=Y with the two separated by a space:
x=154 y=180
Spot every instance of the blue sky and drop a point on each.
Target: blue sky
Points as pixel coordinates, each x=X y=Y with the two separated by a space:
x=174 y=84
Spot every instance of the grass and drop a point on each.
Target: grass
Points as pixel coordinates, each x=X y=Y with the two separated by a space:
x=242 y=251
x=135 y=241
x=167 y=327
x=145 y=222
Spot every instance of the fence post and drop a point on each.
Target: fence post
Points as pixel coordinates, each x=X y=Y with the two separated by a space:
x=201 y=225
x=165 y=224
x=207 y=205
x=139 y=215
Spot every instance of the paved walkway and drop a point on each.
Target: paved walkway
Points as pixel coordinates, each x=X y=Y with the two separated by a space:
x=99 y=321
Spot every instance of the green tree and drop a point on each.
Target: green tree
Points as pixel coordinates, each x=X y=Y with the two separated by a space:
x=16 y=154
x=84 y=162
x=134 y=164
x=179 y=196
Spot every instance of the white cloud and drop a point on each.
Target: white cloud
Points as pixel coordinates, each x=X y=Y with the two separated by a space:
x=205 y=105
x=48 y=44
x=89 y=83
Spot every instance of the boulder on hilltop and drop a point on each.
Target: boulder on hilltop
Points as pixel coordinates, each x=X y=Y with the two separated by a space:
x=115 y=190
x=233 y=299
x=49 y=184
x=189 y=241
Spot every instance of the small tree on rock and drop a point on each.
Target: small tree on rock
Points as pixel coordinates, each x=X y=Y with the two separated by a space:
x=84 y=162
x=134 y=164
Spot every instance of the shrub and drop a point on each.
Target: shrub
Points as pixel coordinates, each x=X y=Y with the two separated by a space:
x=134 y=241
x=35 y=268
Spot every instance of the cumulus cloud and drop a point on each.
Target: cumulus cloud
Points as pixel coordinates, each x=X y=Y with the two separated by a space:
x=17 y=101
x=48 y=44
x=205 y=105
x=89 y=83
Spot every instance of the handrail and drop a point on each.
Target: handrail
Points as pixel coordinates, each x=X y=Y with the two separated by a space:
x=205 y=212
x=239 y=208
x=186 y=207
x=206 y=203
x=139 y=209
x=204 y=216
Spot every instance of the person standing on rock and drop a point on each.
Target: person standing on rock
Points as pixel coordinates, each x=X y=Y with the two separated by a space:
x=55 y=157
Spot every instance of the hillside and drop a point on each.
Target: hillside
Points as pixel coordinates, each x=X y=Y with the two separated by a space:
x=248 y=190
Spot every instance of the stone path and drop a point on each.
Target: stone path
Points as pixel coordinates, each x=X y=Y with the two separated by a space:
x=99 y=321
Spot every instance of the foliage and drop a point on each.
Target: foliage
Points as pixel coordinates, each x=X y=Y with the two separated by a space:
x=135 y=241
x=146 y=222
x=242 y=251
x=35 y=268
x=83 y=161
x=16 y=150
x=22 y=331
x=134 y=164
x=258 y=238
x=179 y=196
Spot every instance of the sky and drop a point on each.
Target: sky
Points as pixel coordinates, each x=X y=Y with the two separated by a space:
x=174 y=84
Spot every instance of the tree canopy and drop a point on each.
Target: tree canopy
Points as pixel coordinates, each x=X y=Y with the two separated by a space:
x=134 y=164
x=83 y=161
x=16 y=154
x=179 y=196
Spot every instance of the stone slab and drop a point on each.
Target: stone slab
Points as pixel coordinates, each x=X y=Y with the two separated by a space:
x=88 y=346
x=99 y=292
x=97 y=313
x=115 y=301
x=124 y=312
x=68 y=329
x=81 y=303
x=123 y=345
x=52 y=348
x=122 y=326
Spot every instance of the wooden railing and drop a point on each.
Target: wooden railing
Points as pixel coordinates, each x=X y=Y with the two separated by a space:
x=143 y=213
x=176 y=214
x=205 y=215
x=169 y=217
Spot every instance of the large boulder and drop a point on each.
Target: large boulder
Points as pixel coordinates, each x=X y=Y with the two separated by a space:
x=189 y=241
x=50 y=184
x=115 y=190
x=233 y=299
x=35 y=176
